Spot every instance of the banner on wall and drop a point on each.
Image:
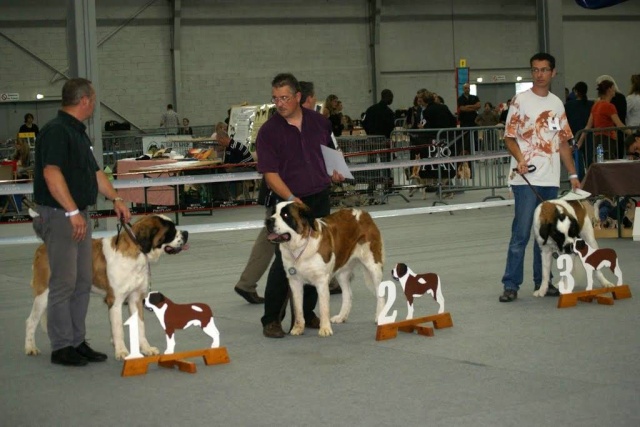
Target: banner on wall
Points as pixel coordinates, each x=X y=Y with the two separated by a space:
x=598 y=4
x=462 y=77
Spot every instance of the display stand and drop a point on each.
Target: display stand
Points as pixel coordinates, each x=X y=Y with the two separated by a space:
x=390 y=330
x=617 y=292
x=211 y=356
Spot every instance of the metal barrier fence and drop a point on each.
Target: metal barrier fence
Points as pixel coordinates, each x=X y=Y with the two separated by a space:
x=369 y=187
x=611 y=139
x=487 y=167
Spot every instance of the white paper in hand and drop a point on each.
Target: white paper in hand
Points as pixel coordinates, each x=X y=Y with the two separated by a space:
x=334 y=160
x=577 y=194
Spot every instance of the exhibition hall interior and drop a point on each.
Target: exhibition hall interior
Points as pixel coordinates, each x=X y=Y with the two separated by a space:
x=450 y=184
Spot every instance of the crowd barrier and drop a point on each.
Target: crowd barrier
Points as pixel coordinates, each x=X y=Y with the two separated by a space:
x=612 y=140
x=381 y=167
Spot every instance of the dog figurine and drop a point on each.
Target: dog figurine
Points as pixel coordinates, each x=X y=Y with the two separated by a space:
x=416 y=285
x=596 y=259
x=174 y=316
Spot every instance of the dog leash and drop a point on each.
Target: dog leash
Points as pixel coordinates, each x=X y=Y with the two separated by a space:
x=530 y=168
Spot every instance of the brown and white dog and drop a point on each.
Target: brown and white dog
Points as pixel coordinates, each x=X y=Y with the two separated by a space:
x=174 y=316
x=416 y=285
x=315 y=249
x=120 y=272
x=595 y=259
x=557 y=225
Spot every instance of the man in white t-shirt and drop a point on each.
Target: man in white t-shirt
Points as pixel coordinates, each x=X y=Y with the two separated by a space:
x=536 y=134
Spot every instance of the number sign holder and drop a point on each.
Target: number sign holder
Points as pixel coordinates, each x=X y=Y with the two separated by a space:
x=390 y=330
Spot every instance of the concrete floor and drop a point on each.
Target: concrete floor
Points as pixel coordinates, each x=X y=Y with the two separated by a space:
x=526 y=363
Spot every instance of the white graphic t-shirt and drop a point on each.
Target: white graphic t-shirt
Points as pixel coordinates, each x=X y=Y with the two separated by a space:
x=538 y=124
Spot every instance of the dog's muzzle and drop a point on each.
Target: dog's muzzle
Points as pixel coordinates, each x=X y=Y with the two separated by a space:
x=172 y=250
x=279 y=238
x=274 y=237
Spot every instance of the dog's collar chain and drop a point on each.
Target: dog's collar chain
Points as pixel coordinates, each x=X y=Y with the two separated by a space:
x=292 y=270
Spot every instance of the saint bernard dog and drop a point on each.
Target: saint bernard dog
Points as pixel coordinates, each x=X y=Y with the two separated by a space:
x=316 y=249
x=557 y=226
x=120 y=273
x=174 y=316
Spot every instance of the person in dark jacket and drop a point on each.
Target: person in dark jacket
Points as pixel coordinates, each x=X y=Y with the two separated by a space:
x=379 y=119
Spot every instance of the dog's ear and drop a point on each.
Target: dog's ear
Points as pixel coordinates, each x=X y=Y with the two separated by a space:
x=574 y=227
x=145 y=238
x=545 y=232
x=307 y=215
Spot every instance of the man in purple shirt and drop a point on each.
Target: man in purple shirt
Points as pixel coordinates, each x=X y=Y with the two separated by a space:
x=290 y=157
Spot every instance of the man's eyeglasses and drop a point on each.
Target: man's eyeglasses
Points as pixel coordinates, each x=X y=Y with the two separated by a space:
x=281 y=99
x=540 y=70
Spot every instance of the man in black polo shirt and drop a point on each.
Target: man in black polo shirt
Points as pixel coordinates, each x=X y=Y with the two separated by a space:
x=67 y=179
x=379 y=118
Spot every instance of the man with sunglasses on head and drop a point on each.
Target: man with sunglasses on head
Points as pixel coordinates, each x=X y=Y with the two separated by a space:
x=536 y=134
x=290 y=158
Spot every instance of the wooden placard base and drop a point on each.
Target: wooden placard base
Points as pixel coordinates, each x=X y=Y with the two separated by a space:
x=211 y=356
x=617 y=292
x=390 y=330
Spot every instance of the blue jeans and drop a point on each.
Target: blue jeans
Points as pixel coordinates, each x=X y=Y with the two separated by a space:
x=525 y=204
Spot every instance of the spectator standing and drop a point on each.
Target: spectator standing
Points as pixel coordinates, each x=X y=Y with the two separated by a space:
x=633 y=102
x=578 y=111
x=185 y=129
x=488 y=117
x=22 y=156
x=604 y=115
x=468 y=106
x=379 y=119
x=620 y=102
x=541 y=146
x=28 y=125
x=332 y=110
x=67 y=180
x=290 y=157
x=503 y=114
x=170 y=120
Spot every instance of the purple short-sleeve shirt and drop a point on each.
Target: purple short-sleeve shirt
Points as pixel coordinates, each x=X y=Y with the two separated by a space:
x=296 y=155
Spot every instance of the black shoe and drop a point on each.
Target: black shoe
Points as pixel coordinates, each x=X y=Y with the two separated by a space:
x=90 y=354
x=313 y=323
x=552 y=291
x=273 y=330
x=250 y=297
x=335 y=291
x=508 y=296
x=68 y=356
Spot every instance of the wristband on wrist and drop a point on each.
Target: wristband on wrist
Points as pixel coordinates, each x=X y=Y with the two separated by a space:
x=117 y=199
x=290 y=198
x=573 y=176
x=72 y=213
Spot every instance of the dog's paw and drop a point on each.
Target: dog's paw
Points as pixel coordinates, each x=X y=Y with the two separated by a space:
x=338 y=319
x=31 y=350
x=150 y=351
x=608 y=284
x=325 y=332
x=297 y=330
x=539 y=293
x=121 y=354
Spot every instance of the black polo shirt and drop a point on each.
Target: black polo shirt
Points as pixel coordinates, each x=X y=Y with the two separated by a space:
x=64 y=143
x=467 y=118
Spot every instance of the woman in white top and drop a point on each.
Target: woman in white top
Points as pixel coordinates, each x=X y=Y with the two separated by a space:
x=633 y=102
